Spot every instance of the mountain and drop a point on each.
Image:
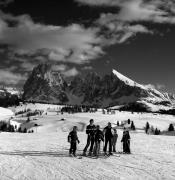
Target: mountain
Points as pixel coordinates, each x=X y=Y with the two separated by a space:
x=115 y=89
x=45 y=85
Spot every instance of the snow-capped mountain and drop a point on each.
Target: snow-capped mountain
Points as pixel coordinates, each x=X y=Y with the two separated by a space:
x=45 y=85
x=153 y=95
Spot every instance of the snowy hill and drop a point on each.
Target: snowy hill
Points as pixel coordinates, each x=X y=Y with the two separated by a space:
x=43 y=155
x=46 y=85
x=5 y=113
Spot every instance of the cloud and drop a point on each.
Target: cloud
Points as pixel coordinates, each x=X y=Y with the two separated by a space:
x=114 y=31
x=156 y=86
x=158 y=11
x=73 y=43
x=100 y=2
x=151 y=86
x=29 y=43
x=71 y=72
x=161 y=86
x=5 y=2
x=9 y=78
x=60 y=67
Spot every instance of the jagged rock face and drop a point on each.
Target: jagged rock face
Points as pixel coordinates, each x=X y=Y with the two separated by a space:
x=45 y=85
x=170 y=96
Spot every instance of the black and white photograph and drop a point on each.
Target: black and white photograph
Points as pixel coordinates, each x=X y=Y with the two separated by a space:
x=87 y=90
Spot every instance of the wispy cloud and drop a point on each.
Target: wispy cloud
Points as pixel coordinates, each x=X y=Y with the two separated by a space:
x=158 y=11
x=31 y=43
x=10 y=78
x=73 y=43
x=158 y=86
x=71 y=72
x=5 y=2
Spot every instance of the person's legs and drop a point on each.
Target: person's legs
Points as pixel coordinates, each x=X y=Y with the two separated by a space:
x=128 y=147
x=92 y=144
x=87 y=145
x=110 y=145
x=95 y=148
x=98 y=148
x=106 y=143
x=114 y=146
x=71 y=147
x=74 y=148
x=124 y=146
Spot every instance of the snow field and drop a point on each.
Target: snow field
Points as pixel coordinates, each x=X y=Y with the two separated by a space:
x=43 y=155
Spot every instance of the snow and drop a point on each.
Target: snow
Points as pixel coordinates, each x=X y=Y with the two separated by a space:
x=5 y=113
x=155 y=96
x=36 y=106
x=43 y=155
x=126 y=80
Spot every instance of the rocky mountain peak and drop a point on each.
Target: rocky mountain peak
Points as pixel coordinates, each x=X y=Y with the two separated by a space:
x=47 y=85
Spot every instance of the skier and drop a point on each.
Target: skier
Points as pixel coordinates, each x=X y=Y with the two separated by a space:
x=126 y=141
x=98 y=138
x=90 y=131
x=73 y=139
x=114 y=140
x=108 y=138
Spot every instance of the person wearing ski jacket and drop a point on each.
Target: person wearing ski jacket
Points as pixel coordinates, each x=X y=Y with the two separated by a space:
x=108 y=138
x=98 y=138
x=73 y=139
x=90 y=131
x=126 y=142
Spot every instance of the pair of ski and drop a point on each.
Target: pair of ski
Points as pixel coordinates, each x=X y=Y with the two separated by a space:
x=102 y=156
x=76 y=156
x=113 y=154
x=95 y=157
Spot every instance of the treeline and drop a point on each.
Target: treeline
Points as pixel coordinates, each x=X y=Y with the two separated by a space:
x=151 y=130
x=77 y=109
x=6 y=127
x=135 y=107
x=170 y=112
x=29 y=112
x=9 y=100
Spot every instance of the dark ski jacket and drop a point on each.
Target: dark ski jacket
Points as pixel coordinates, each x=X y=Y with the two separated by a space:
x=72 y=137
x=99 y=136
x=90 y=130
x=126 y=137
x=108 y=132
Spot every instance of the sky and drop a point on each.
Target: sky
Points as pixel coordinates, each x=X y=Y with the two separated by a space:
x=135 y=37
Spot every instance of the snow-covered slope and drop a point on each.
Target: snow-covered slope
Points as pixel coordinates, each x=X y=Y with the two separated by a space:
x=126 y=80
x=44 y=155
x=5 y=113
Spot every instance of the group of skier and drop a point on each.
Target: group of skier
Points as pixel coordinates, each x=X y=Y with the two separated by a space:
x=109 y=137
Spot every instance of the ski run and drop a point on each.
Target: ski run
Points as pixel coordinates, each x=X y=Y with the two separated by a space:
x=44 y=154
